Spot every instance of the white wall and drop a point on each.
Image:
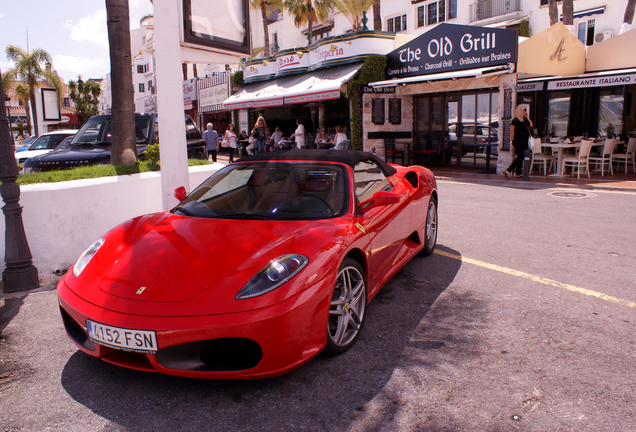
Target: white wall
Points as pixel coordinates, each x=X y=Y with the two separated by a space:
x=62 y=219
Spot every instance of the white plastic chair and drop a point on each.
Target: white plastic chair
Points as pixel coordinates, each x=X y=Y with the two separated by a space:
x=605 y=158
x=540 y=158
x=627 y=156
x=580 y=159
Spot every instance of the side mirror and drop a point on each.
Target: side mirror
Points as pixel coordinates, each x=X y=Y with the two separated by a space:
x=180 y=193
x=380 y=198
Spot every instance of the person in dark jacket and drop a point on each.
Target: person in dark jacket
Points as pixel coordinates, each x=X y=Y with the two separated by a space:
x=519 y=134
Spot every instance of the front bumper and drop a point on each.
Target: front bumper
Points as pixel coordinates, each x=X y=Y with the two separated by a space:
x=256 y=344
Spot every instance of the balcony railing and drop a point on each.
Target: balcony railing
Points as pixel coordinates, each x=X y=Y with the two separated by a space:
x=485 y=9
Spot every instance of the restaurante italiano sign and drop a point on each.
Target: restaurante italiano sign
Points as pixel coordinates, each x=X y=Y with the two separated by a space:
x=452 y=47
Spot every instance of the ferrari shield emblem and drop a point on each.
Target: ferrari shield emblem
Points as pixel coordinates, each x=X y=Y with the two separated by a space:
x=361 y=228
x=140 y=290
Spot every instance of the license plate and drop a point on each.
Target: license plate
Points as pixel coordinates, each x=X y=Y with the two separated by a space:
x=121 y=338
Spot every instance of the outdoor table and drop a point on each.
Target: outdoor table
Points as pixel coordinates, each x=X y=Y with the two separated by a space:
x=324 y=145
x=560 y=146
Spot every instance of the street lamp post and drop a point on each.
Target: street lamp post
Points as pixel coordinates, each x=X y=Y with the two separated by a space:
x=19 y=273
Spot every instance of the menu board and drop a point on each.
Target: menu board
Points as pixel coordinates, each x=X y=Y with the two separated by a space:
x=377 y=110
x=395 y=111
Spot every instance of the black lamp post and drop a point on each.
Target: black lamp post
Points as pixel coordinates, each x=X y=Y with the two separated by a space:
x=20 y=273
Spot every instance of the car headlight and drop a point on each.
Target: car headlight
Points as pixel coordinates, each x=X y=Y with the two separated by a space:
x=273 y=275
x=86 y=257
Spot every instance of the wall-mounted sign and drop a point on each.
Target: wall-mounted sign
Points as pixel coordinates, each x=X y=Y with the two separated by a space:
x=592 y=81
x=377 y=111
x=452 y=47
x=214 y=95
x=50 y=105
x=369 y=89
x=190 y=90
x=395 y=111
x=533 y=86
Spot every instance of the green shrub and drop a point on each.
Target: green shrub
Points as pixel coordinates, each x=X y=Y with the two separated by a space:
x=152 y=153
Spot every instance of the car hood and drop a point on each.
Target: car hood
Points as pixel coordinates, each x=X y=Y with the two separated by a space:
x=23 y=155
x=169 y=259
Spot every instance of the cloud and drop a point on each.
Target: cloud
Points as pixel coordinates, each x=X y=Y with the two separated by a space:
x=69 y=67
x=2 y=15
x=91 y=28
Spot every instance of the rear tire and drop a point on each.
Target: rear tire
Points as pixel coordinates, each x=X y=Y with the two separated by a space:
x=430 y=229
x=348 y=307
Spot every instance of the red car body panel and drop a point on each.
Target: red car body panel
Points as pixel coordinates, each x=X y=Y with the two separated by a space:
x=191 y=270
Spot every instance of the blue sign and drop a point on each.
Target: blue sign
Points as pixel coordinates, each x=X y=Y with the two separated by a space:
x=452 y=47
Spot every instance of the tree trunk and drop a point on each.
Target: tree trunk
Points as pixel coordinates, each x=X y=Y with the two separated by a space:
x=36 y=130
x=123 y=142
x=265 y=27
x=629 y=12
x=377 y=18
x=553 y=12
x=568 y=11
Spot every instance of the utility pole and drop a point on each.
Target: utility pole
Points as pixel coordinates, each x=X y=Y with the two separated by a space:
x=19 y=273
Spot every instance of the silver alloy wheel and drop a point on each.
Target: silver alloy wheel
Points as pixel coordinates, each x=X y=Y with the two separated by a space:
x=431 y=225
x=348 y=305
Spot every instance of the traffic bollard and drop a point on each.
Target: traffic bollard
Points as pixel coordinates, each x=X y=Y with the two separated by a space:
x=526 y=165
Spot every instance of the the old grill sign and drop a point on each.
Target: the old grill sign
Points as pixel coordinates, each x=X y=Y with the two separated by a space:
x=451 y=47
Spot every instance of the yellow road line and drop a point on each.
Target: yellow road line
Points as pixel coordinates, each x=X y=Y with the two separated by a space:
x=539 y=279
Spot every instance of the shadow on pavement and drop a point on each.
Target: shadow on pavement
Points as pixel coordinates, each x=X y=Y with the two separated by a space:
x=328 y=393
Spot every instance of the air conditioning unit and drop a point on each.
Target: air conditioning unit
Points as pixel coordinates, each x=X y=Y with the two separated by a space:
x=603 y=36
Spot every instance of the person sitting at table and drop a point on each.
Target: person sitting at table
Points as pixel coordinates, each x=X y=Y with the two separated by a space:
x=277 y=136
x=321 y=138
x=330 y=134
x=243 y=136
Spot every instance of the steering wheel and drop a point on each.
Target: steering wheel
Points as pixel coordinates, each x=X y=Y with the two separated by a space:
x=323 y=200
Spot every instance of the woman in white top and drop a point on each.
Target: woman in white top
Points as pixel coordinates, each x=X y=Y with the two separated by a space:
x=299 y=135
x=230 y=137
x=339 y=137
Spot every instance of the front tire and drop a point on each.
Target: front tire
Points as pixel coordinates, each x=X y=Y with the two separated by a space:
x=430 y=229
x=348 y=307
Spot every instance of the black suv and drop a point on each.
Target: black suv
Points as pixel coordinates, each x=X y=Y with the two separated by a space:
x=91 y=144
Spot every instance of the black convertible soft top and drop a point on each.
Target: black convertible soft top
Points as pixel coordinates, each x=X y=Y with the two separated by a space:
x=348 y=157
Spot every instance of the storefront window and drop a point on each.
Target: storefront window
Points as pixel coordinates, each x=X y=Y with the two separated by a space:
x=558 y=112
x=610 y=112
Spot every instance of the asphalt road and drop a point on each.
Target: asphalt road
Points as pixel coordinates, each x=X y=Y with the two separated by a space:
x=523 y=319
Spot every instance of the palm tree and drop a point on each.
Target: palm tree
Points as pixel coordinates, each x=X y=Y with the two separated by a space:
x=264 y=6
x=32 y=68
x=23 y=94
x=123 y=142
x=308 y=11
x=85 y=94
x=568 y=11
x=353 y=9
x=553 y=12
x=629 y=15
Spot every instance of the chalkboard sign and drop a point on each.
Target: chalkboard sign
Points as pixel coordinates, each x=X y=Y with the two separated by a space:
x=395 y=111
x=377 y=111
x=506 y=135
x=507 y=114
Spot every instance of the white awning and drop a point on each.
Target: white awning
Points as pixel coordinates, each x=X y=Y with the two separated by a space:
x=593 y=79
x=321 y=85
x=443 y=76
x=587 y=12
x=310 y=87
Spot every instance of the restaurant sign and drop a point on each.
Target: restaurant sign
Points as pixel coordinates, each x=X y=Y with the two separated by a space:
x=452 y=47
x=592 y=81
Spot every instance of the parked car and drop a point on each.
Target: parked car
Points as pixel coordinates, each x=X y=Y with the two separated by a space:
x=92 y=144
x=268 y=262
x=25 y=144
x=474 y=137
x=44 y=144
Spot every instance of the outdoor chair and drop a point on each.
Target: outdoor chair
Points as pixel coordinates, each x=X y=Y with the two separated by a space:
x=605 y=158
x=579 y=160
x=389 y=149
x=627 y=156
x=539 y=158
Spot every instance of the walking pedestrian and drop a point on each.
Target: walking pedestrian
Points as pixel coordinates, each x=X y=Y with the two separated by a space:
x=299 y=135
x=211 y=141
x=230 y=137
x=519 y=134
x=259 y=134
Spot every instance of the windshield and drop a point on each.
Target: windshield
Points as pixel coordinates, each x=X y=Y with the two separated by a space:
x=97 y=131
x=271 y=191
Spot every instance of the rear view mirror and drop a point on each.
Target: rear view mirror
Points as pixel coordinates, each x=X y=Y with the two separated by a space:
x=380 y=198
x=180 y=193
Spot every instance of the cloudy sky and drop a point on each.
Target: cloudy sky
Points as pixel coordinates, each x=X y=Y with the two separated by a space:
x=72 y=31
